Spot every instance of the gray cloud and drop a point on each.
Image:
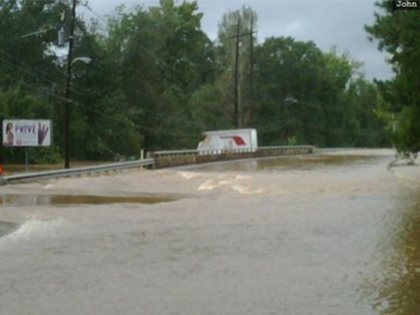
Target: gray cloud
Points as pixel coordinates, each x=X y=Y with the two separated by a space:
x=338 y=23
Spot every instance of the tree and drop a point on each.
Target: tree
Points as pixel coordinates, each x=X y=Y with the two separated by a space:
x=156 y=81
x=28 y=77
x=164 y=57
x=398 y=33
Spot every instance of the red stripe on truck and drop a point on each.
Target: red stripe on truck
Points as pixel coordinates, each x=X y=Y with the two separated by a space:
x=238 y=140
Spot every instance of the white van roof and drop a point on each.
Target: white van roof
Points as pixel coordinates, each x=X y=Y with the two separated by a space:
x=218 y=132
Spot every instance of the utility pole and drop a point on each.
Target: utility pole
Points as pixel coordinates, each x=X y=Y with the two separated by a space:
x=251 y=57
x=251 y=68
x=68 y=84
x=237 y=121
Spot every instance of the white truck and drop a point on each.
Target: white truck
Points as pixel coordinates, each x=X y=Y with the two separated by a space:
x=229 y=140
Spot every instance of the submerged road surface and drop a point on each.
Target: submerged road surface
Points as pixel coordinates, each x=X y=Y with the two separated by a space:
x=335 y=233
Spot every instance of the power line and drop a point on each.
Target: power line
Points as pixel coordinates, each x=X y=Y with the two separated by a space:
x=29 y=71
x=124 y=120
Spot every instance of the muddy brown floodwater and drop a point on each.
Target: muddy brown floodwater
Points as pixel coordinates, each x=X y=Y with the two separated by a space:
x=26 y=200
x=7 y=227
x=331 y=233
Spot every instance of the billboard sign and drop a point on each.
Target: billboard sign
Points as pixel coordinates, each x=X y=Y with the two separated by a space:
x=27 y=133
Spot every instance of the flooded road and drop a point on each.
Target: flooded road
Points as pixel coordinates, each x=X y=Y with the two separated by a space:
x=301 y=162
x=334 y=233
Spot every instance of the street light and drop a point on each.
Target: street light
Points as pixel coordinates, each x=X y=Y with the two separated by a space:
x=70 y=63
x=86 y=60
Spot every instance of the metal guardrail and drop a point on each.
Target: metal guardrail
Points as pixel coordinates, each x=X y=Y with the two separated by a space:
x=76 y=171
x=161 y=159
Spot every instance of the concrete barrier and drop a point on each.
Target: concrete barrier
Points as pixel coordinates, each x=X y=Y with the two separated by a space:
x=186 y=157
x=162 y=159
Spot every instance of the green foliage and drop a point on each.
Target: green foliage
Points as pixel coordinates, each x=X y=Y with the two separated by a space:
x=407 y=131
x=317 y=97
x=292 y=140
x=398 y=33
x=164 y=58
x=210 y=110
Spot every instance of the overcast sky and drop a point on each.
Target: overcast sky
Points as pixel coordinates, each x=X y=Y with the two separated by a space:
x=328 y=23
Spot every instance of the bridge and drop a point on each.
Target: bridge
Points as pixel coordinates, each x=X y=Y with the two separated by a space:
x=164 y=159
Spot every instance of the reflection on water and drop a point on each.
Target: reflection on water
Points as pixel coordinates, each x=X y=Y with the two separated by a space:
x=38 y=200
x=302 y=162
x=7 y=228
x=399 y=291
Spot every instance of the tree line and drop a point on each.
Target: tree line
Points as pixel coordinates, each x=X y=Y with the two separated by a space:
x=398 y=33
x=156 y=81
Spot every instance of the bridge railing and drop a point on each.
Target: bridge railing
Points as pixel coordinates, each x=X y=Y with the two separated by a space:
x=161 y=159
x=184 y=157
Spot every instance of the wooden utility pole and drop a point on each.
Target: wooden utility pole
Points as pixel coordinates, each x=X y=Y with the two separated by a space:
x=68 y=84
x=251 y=69
x=237 y=121
x=251 y=57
